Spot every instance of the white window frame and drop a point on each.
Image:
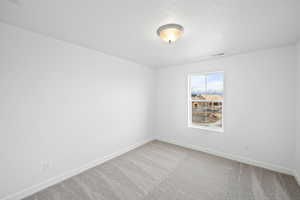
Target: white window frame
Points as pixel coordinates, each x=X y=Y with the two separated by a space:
x=190 y=124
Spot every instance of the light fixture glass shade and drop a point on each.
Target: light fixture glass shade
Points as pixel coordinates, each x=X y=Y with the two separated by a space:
x=170 y=32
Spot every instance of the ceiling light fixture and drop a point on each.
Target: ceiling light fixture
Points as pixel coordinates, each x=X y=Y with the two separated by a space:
x=170 y=32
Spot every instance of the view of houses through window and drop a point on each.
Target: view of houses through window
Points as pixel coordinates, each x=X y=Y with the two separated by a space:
x=206 y=100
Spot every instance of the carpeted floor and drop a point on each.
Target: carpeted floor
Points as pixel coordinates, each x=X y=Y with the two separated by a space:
x=164 y=171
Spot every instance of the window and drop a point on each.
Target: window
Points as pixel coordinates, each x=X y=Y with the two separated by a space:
x=206 y=96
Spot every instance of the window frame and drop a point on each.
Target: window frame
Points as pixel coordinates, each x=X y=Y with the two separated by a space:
x=190 y=124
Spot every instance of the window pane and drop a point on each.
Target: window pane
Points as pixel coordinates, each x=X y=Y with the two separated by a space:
x=208 y=114
x=214 y=86
x=199 y=113
x=197 y=86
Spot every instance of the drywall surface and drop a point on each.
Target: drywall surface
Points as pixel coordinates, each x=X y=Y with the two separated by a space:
x=62 y=106
x=297 y=154
x=259 y=112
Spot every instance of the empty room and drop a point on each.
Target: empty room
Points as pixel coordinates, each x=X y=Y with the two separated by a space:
x=149 y=100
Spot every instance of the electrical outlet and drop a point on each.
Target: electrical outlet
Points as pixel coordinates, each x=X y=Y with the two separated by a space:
x=45 y=165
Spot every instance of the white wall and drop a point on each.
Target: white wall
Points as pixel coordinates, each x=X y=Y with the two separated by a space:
x=297 y=154
x=66 y=105
x=259 y=108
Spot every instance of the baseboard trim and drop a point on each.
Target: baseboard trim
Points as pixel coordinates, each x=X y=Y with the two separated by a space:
x=52 y=181
x=297 y=177
x=256 y=163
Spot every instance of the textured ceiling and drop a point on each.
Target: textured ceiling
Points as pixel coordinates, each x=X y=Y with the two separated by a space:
x=127 y=28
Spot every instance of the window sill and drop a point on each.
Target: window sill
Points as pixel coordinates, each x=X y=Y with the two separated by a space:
x=218 y=130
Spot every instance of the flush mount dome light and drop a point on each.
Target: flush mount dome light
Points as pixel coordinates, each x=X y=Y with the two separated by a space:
x=170 y=32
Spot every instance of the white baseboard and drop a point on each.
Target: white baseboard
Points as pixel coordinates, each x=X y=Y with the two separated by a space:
x=297 y=177
x=33 y=189
x=248 y=161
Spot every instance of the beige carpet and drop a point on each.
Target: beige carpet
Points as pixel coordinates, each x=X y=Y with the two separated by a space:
x=163 y=171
